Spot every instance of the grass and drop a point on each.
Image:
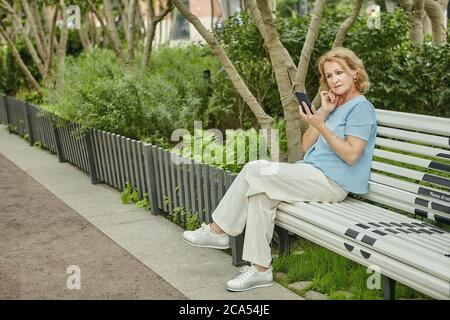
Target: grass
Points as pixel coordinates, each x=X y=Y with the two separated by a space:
x=331 y=274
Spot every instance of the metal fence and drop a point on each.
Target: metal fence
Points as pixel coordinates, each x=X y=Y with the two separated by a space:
x=169 y=180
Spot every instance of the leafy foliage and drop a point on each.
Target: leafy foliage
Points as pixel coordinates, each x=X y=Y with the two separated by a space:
x=101 y=93
x=240 y=147
x=244 y=46
x=185 y=218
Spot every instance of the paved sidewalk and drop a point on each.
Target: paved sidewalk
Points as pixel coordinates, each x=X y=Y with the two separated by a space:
x=197 y=273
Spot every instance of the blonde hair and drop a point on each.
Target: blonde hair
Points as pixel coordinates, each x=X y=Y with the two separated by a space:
x=348 y=60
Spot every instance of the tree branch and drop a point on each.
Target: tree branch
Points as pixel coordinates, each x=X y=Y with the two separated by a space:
x=34 y=55
x=19 y=60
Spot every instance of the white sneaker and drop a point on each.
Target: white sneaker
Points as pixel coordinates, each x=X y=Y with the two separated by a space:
x=250 y=278
x=203 y=237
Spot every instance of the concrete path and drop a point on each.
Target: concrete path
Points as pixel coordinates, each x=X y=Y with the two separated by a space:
x=197 y=273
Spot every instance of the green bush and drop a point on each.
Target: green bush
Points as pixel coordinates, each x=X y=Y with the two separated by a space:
x=101 y=93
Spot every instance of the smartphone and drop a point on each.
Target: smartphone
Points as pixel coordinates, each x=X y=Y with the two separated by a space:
x=301 y=96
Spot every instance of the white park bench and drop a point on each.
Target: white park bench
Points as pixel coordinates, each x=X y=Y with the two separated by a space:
x=413 y=252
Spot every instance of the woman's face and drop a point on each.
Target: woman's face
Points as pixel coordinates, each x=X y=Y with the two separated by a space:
x=339 y=80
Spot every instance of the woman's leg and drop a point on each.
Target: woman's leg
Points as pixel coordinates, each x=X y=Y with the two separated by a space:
x=279 y=181
x=252 y=200
x=259 y=230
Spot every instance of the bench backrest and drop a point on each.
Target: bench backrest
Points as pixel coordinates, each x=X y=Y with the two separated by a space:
x=411 y=165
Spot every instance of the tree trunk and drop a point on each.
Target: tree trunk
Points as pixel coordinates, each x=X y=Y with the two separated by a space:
x=416 y=32
x=61 y=54
x=348 y=23
x=426 y=25
x=112 y=30
x=31 y=80
x=435 y=10
x=131 y=30
x=212 y=16
x=52 y=44
x=406 y=5
x=83 y=33
x=149 y=43
x=37 y=18
x=31 y=19
x=123 y=11
x=151 y=29
x=308 y=46
x=152 y=22
x=105 y=29
x=139 y=12
x=173 y=24
x=263 y=119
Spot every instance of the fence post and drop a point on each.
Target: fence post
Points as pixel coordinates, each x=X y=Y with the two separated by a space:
x=91 y=157
x=5 y=103
x=29 y=125
x=151 y=183
x=58 y=141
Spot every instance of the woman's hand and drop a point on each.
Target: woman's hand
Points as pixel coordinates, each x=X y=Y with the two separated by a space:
x=314 y=118
x=328 y=101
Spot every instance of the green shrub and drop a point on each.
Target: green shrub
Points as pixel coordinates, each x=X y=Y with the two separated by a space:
x=147 y=105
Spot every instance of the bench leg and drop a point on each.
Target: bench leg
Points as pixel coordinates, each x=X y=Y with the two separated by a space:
x=237 y=245
x=284 y=243
x=388 y=288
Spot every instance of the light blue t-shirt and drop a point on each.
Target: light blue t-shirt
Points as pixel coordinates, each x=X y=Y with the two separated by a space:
x=356 y=118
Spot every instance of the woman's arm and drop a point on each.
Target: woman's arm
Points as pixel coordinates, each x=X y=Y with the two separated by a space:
x=328 y=103
x=348 y=149
x=311 y=134
x=309 y=138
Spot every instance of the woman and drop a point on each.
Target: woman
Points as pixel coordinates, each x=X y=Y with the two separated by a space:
x=339 y=146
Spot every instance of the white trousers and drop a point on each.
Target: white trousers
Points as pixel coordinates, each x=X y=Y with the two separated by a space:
x=253 y=197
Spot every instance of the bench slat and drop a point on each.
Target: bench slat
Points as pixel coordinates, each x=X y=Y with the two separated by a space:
x=437 y=141
x=397 y=239
x=412 y=174
x=405 y=196
x=413 y=148
x=428 y=192
x=394 y=247
x=413 y=121
x=423 y=282
x=424 y=163
x=372 y=221
x=429 y=213
x=362 y=205
x=373 y=218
